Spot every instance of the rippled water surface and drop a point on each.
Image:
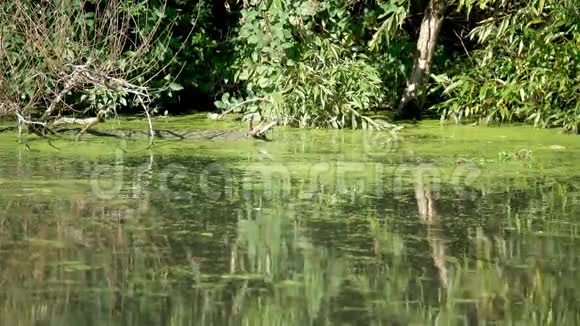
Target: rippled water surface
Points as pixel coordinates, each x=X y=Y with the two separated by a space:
x=445 y=226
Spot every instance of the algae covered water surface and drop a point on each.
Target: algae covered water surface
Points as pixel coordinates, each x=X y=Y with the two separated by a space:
x=439 y=225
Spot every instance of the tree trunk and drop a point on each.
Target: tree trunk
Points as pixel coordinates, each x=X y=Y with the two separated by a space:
x=430 y=27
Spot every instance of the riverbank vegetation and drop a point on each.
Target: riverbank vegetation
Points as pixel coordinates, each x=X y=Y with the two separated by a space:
x=334 y=63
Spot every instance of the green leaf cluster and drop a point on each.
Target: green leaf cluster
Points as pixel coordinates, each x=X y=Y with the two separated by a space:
x=307 y=63
x=527 y=69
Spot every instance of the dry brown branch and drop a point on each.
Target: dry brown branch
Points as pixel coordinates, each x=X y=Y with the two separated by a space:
x=36 y=127
x=151 y=132
x=259 y=132
x=71 y=83
x=69 y=56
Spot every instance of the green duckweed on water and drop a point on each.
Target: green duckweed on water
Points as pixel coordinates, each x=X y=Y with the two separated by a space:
x=438 y=225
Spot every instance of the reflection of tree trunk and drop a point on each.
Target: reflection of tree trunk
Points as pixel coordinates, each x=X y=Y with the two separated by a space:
x=428 y=214
x=425 y=203
x=438 y=252
x=430 y=27
x=234 y=256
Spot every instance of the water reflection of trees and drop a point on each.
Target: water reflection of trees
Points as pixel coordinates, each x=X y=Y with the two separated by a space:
x=149 y=257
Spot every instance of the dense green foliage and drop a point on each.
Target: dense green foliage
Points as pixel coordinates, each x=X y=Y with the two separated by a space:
x=527 y=68
x=306 y=63
x=336 y=63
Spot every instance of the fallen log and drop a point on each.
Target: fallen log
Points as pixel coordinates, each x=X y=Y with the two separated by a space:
x=86 y=122
x=60 y=127
x=163 y=134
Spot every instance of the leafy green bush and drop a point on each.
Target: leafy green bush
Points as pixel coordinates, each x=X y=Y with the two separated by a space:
x=322 y=89
x=328 y=88
x=306 y=63
x=528 y=69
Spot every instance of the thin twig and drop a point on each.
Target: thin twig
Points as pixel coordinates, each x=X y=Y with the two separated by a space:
x=462 y=44
x=151 y=132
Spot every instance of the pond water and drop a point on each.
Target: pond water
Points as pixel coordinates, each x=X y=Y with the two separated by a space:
x=438 y=226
